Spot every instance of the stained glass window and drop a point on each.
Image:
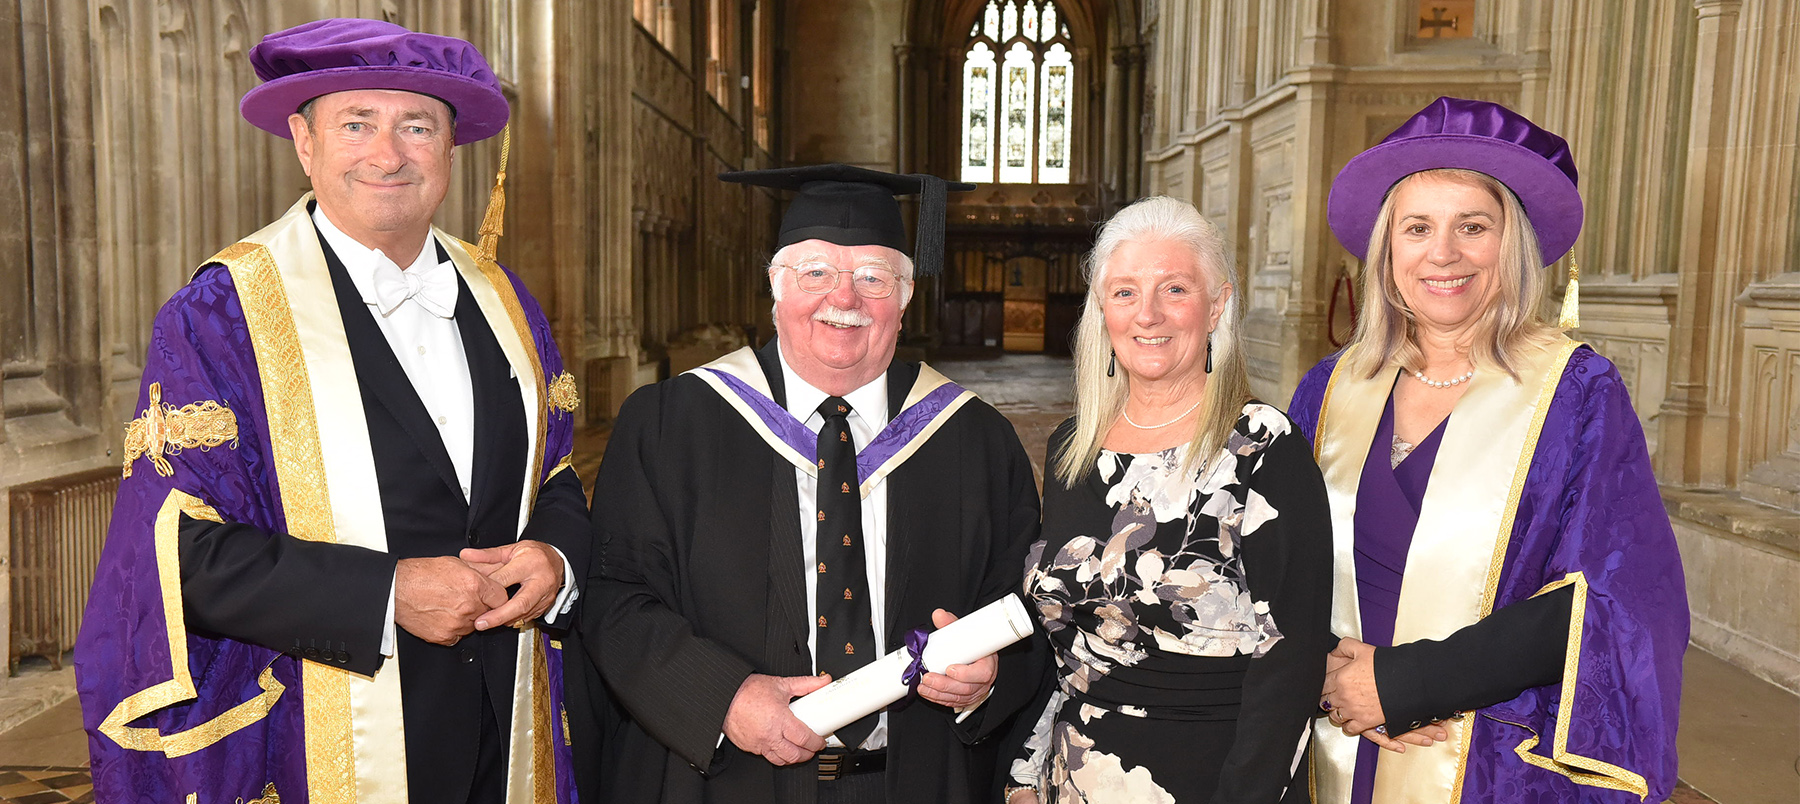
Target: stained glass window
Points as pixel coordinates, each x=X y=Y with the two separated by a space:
x=978 y=115
x=1053 y=144
x=1019 y=94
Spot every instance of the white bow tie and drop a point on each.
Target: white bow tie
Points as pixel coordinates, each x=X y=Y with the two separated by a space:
x=433 y=286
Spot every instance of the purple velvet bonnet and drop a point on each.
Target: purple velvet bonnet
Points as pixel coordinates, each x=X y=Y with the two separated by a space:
x=335 y=55
x=1474 y=135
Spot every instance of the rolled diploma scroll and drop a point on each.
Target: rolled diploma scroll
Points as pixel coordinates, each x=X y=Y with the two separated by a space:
x=877 y=684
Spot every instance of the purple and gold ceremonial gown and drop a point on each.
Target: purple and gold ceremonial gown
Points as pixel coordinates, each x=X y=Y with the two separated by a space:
x=252 y=414
x=1537 y=485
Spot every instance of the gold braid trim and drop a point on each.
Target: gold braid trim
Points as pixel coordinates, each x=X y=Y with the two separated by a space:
x=1579 y=769
x=167 y=430
x=179 y=688
x=563 y=395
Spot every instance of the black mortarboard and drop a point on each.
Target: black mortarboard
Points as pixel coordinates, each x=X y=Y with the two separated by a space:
x=853 y=206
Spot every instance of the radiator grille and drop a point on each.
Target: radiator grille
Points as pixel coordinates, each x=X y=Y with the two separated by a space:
x=57 y=530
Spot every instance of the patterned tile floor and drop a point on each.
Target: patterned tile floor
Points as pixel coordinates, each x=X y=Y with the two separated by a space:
x=44 y=785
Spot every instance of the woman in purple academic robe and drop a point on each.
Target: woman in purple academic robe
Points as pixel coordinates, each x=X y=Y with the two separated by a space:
x=1510 y=600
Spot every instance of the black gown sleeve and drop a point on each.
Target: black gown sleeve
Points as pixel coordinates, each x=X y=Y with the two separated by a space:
x=1014 y=509
x=1510 y=651
x=1287 y=562
x=312 y=600
x=676 y=684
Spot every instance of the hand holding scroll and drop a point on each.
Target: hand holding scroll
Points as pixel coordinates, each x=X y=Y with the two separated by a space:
x=760 y=722
x=960 y=685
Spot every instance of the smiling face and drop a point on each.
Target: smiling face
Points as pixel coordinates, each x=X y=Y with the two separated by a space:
x=1159 y=308
x=837 y=341
x=379 y=161
x=1445 y=245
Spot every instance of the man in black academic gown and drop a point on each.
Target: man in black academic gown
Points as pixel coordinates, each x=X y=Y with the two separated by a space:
x=791 y=512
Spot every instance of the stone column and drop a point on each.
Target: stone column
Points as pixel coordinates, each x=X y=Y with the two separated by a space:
x=1695 y=411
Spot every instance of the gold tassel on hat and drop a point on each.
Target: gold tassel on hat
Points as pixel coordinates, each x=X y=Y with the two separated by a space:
x=1571 y=307
x=494 y=222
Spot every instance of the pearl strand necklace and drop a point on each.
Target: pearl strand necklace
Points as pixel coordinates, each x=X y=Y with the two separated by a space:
x=1184 y=414
x=1420 y=376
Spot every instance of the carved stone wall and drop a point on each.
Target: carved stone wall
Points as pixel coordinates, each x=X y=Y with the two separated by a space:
x=1684 y=120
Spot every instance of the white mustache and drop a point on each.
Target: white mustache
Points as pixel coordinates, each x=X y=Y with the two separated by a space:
x=829 y=314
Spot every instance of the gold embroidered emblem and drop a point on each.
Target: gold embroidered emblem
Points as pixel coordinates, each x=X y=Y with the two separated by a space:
x=846 y=488
x=821 y=516
x=822 y=621
x=846 y=540
x=843 y=436
x=167 y=430
x=849 y=650
x=821 y=463
x=846 y=594
x=821 y=567
x=561 y=393
x=269 y=796
x=842 y=409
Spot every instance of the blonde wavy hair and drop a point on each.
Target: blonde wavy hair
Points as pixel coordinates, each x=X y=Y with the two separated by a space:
x=1387 y=333
x=1099 y=399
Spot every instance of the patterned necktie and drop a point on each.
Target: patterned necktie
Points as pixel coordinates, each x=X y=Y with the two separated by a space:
x=846 y=627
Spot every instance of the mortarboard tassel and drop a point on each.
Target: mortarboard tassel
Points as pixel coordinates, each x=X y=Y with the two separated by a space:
x=1571 y=306
x=933 y=201
x=493 y=224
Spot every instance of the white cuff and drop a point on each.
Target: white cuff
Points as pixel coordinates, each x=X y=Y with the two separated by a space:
x=387 y=629
x=568 y=595
x=963 y=712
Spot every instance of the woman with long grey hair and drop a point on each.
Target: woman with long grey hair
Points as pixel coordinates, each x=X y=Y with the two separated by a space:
x=1184 y=577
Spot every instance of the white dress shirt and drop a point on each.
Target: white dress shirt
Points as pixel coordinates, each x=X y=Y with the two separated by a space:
x=430 y=351
x=868 y=414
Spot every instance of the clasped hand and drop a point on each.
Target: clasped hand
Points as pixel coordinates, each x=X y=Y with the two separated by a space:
x=1352 y=702
x=443 y=599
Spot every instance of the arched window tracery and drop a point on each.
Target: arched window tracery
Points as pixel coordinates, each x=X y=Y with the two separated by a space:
x=1018 y=94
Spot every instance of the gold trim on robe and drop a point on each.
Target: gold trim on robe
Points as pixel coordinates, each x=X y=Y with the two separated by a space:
x=180 y=686
x=355 y=729
x=1453 y=565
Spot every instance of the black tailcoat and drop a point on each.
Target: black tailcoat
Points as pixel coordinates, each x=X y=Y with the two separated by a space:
x=327 y=602
x=697 y=583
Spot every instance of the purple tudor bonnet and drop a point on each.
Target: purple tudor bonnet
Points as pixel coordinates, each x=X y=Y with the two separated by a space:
x=334 y=55
x=1474 y=135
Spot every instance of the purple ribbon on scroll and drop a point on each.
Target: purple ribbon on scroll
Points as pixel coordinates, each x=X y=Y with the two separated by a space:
x=915 y=647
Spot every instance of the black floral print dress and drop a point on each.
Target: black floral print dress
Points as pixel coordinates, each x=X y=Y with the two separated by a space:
x=1190 y=612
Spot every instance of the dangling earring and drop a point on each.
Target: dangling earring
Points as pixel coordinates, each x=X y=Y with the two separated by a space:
x=1112 y=365
x=1209 y=353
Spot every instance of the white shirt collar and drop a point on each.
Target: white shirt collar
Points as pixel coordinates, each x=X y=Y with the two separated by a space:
x=360 y=260
x=803 y=400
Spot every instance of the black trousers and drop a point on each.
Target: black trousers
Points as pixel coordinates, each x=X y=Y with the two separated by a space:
x=490 y=763
x=862 y=788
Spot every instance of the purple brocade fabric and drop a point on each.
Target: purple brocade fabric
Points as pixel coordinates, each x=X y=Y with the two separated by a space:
x=1590 y=504
x=200 y=350
x=335 y=55
x=1472 y=135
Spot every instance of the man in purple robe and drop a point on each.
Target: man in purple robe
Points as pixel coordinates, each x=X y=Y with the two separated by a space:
x=347 y=514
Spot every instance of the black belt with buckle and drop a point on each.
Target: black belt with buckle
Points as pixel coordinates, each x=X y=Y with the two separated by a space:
x=836 y=763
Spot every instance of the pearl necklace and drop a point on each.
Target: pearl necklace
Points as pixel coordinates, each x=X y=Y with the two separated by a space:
x=1420 y=376
x=1184 y=414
